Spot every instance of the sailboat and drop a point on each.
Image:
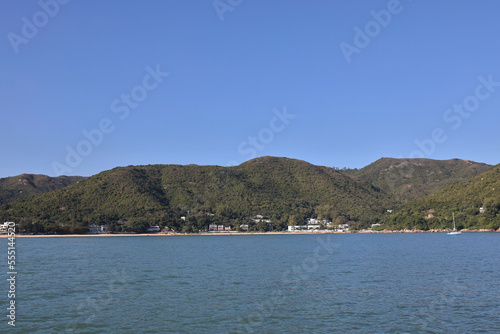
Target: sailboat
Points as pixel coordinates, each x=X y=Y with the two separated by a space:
x=454 y=231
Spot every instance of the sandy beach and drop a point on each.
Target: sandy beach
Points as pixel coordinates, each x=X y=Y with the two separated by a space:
x=228 y=233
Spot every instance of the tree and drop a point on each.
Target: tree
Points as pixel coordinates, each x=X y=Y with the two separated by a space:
x=137 y=226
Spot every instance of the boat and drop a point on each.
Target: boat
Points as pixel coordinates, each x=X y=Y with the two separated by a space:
x=454 y=231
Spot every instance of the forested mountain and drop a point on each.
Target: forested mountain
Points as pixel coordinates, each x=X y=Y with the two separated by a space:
x=475 y=202
x=286 y=190
x=15 y=187
x=410 y=179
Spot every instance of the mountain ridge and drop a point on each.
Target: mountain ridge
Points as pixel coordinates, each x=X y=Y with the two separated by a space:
x=286 y=190
x=16 y=187
x=282 y=188
x=409 y=179
x=475 y=203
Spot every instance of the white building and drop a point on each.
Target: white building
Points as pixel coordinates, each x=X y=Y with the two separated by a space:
x=218 y=228
x=260 y=218
x=312 y=221
x=304 y=227
x=4 y=228
x=316 y=221
x=297 y=228
x=313 y=226
x=97 y=229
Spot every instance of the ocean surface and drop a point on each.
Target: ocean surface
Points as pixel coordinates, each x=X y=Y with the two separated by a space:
x=335 y=283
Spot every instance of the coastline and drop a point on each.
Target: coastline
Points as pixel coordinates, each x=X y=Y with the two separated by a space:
x=232 y=233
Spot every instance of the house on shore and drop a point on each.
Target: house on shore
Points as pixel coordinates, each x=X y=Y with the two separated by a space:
x=153 y=229
x=308 y=227
x=218 y=228
x=4 y=228
x=260 y=218
x=94 y=229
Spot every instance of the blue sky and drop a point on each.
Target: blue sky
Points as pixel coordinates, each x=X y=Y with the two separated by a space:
x=335 y=83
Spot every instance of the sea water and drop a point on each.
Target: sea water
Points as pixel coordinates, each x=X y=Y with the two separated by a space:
x=329 y=283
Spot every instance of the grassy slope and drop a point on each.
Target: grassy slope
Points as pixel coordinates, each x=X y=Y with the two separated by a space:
x=464 y=198
x=268 y=186
x=410 y=179
x=16 y=187
x=284 y=189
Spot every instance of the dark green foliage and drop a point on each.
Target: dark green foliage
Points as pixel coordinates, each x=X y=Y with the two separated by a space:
x=464 y=199
x=286 y=191
x=136 y=226
x=277 y=188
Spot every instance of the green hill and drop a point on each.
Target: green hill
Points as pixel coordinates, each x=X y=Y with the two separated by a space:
x=465 y=199
x=410 y=179
x=15 y=187
x=131 y=198
x=287 y=191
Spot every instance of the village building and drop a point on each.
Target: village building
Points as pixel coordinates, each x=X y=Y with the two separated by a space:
x=4 y=228
x=94 y=229
x=153 y=229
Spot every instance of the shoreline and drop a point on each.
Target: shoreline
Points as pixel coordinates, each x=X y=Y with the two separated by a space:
x=229 y=233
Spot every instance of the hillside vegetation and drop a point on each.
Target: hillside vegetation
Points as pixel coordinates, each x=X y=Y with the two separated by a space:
x=465 y=199
x=16 y=187
x=410 y=179
x=131 y=198
x=399 y=193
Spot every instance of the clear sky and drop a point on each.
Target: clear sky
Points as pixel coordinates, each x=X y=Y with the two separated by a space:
x=90 y=85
